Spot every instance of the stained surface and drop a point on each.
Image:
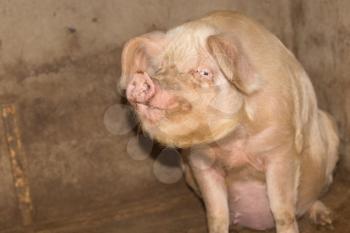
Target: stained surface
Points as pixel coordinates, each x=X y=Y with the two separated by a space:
x=322 y=45
x=9 y=214
x=59 y=64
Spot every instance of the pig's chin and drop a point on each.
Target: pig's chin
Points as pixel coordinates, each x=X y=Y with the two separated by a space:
x=187 y=132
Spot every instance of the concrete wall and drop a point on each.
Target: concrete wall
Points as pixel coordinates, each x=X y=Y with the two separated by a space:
x=322 y=44
x=34 y=32
x=37 y=32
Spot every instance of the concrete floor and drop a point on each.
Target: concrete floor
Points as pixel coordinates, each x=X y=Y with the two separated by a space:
x=175 y=209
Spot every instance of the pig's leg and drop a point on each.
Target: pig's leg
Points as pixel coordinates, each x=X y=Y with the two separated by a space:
x=213 y=190
x=320 y=214
x=282 y=177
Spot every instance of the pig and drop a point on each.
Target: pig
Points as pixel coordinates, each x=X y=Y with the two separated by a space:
x=256 y=148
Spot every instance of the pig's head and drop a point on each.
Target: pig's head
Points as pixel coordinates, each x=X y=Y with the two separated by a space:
x=187 y=86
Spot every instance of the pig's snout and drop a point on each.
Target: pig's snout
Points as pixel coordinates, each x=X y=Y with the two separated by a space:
x=140 y=89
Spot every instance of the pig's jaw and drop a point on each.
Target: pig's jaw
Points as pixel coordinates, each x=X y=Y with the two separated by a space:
x=179 y=135
x=157 y=110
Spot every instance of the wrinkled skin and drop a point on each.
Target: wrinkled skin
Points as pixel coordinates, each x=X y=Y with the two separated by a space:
x=258 y=151
x=184 y=104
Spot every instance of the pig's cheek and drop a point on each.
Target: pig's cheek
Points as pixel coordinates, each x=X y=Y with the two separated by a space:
x=227 y=107
x=191 y=95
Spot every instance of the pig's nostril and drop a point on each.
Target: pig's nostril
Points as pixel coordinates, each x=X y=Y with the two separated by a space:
x=145 y=87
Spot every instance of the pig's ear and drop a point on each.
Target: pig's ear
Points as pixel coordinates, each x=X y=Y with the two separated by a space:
x=138 y=54
x=233 y=62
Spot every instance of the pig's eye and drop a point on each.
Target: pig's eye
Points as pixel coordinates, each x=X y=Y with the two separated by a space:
x=205 y=73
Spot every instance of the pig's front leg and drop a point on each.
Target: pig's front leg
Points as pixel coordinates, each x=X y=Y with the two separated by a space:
x=282 y=177
x=214 y=193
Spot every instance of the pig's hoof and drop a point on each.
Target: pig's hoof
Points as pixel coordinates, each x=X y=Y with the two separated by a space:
x=321 y=214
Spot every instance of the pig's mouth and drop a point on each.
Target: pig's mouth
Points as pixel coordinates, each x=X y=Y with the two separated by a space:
x=150 y=101
x=150 y=113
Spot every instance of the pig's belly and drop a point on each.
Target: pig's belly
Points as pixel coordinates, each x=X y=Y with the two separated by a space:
x=249 y=205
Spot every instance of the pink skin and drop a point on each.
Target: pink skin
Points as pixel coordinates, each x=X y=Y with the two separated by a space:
x=259 y=175
x=140 y=89
x=149 y=100
x=245 y=201
x=250 y=210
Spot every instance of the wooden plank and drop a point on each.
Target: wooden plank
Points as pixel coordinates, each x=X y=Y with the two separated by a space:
x=17 y=160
